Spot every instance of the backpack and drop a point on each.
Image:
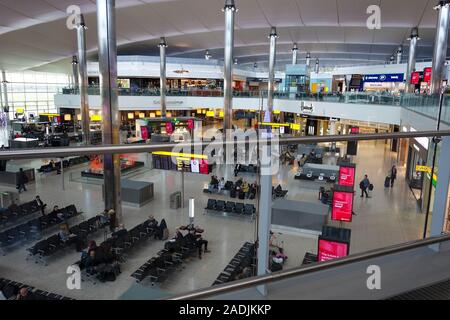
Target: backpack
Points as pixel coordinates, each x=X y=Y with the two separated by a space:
x=361 y=185
x=370 y=187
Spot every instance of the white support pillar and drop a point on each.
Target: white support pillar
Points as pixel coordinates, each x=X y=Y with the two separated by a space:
x=440 y=46
x=411 y=67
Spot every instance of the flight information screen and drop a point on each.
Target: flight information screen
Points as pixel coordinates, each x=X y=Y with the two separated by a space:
x=180 y=162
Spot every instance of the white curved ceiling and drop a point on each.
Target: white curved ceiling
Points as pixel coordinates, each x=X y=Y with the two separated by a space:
x=33 y=33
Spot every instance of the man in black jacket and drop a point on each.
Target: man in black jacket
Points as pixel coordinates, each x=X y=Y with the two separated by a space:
x=22 y=179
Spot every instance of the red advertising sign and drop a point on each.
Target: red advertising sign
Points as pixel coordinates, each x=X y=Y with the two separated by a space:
x=329 y=250
x=169 y=127
x=144 y=133
x=415 y=78
x=427 y=74
x=190 y=124
x=347 y=176
x=204 y=168
x=354 y=130
x=342 y=206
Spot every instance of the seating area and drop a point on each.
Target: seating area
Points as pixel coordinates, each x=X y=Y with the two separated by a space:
x=10 y=289
x=31 y=229
x=158 y=268
x=175 y=251
x=240 y=189
x=114 y=248
x=56 y=166
x=230 y=207
x=241 y=266
x=53 y=244
x=14 y=213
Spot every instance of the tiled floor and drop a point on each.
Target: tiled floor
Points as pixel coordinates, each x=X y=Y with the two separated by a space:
x=389 y=217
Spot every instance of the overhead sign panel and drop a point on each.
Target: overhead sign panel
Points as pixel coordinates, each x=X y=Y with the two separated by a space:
x=389 y=77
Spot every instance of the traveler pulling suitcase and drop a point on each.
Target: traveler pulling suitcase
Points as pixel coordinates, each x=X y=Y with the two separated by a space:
x=387 y=182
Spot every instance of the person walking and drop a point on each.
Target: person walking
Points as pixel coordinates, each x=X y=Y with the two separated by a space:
x=393 y=175
x=22 y=179
x=364 y=185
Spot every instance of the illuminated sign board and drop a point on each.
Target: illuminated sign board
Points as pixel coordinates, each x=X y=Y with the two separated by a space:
x=329 y=250
x=347 y=176
x=183 y=162
x=427 y=74
x=342 y=206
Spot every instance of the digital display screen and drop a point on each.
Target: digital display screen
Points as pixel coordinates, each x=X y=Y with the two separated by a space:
x=354 y=130
x=329 y=250
x=427 y=74
x=182 y=164
x=347 y=176
x=342 y=206
x=415 y=78
x=169 y=127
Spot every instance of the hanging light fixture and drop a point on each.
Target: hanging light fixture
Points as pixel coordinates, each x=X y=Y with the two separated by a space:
x=255 y=65
x=208 y=55
x=235 y=61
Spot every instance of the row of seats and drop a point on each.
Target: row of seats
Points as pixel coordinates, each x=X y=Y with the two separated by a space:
x=158 y=268
x=10 y=290
x=167 y=260
x=67 y=163
x=13 y=213
x=120 y=243
x=230 y=207
x=32 y=229
x=240 y=267
x=53 y=244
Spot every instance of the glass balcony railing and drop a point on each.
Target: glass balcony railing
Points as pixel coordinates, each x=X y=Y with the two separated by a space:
x=427 y=105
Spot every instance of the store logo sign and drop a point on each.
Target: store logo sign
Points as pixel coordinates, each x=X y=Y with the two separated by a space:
x=306 y=108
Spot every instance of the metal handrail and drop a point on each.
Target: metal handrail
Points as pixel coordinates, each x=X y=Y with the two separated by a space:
x=141 y=148
x=314 y=267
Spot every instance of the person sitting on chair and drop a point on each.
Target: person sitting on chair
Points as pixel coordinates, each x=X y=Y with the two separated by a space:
x=120 y=231
x=41 y=205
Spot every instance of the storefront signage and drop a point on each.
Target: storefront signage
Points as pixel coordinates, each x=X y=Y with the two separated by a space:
x=423 y=169
x=329 y=250
x=169 y=102
x=307 y=109
x=390 y=77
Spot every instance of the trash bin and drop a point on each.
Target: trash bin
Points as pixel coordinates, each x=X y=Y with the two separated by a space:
x=175 y=200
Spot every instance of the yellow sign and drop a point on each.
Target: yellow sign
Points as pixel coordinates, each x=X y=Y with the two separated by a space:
x=96 y=117
x=210 y=114
x=276 y=111
x=20 y=110
x=275 y=125
x=180 y=155
x=295 y=126
x=423 y=169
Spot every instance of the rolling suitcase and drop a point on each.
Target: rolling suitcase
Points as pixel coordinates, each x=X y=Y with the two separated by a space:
x=387 y=182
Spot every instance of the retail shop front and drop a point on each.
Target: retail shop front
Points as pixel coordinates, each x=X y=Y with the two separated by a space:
x=416 y=168
x=391 y=82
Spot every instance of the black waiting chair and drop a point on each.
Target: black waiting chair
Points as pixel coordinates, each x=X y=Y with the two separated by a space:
x=249 y=209
x=230 y=206
x=239 y=208
x=220 y=205
x=211 y=205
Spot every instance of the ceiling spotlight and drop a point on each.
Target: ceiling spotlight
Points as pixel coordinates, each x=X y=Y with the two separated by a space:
x=207 y=55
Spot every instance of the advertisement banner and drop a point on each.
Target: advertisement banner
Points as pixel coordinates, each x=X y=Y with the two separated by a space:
x=415 y=78
x=329 y=250
x=427 y=75
x=347 y=176
x=169 y=127
x=342 y=206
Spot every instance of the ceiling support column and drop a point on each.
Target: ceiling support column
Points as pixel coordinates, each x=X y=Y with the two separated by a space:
x=162 y=80
x=271 y=85
x=82 y=81
x=108 y=90
x=229 y=11
x=440 y=47
x=411 y=67
x=294 y=54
